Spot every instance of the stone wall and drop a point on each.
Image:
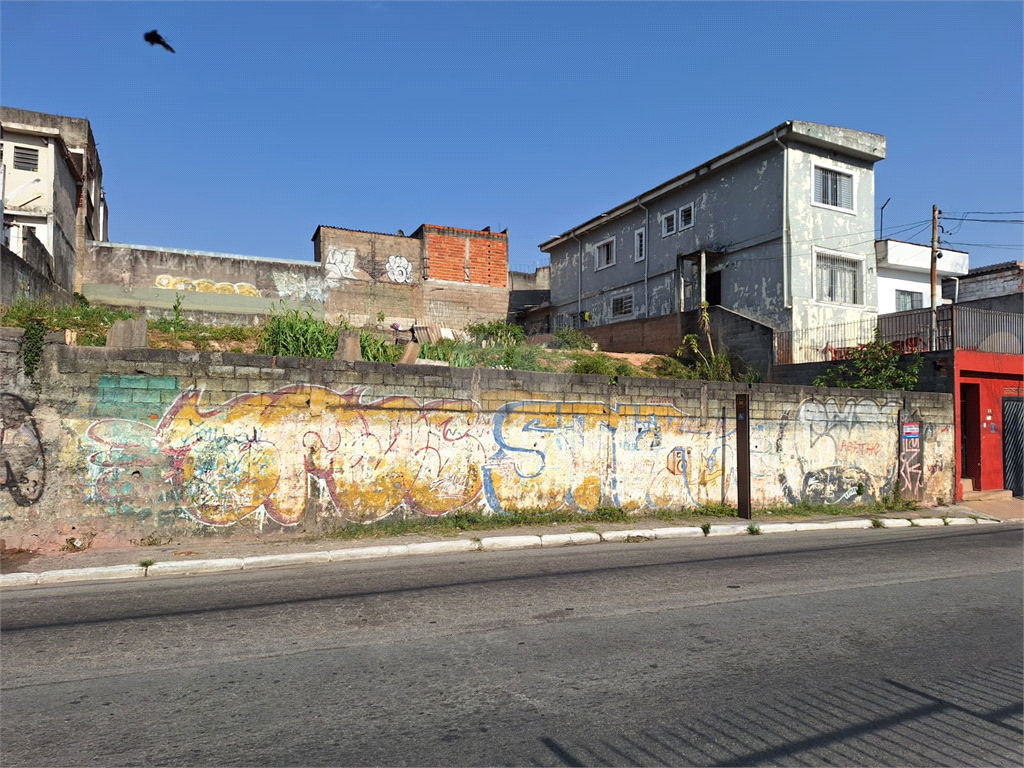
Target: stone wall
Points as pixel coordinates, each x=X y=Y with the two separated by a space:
x=129 y=443
x=29 y=279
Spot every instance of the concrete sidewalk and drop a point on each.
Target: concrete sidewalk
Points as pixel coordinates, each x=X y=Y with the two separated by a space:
x=195 y=556
x=1001 y=509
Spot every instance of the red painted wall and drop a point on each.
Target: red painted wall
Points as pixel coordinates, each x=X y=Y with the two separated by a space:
x=997 y=376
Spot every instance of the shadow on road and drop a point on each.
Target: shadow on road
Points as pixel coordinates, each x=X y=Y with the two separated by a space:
x=977 y=720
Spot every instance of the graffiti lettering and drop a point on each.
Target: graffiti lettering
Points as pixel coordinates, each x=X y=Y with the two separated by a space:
x=22 y=461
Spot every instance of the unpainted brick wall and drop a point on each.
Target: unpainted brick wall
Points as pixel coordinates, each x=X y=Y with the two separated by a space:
x=463 y=255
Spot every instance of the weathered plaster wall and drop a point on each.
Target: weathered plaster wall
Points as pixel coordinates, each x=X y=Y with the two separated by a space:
x=128 y=442
x=28 y=279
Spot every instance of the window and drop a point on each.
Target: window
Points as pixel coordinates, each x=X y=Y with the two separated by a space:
x=26 y=158
x=909 y=300
x=668 y=224
x=622 y=305
x=686 y=217
x=833 y=188
x=639 y=245
x=837 y=278
x=605 y=253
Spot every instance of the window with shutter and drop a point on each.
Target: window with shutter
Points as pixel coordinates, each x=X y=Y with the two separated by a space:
x=605 y=254
x=668 y=224
x=833 y=188
x=26 y=158
x=639 y=245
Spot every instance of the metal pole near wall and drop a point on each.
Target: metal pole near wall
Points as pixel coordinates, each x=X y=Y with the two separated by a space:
x=935 y=277
x=743 y=455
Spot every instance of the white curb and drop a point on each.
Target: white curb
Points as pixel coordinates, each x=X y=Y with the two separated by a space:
x=850 y=524
x=727 y=530
x=18 y=579
x=566 y=539
x=291 y=558
x=181 y=567
x=986 y=521
x=960 y=521
x=493 y=543
x=895 y=522
x=926 y=522
x=443 y=547
x=623 y=535
x=777 y=527
x=677 y=532
x=811 y=526
x=98 y=573
x=367 y=553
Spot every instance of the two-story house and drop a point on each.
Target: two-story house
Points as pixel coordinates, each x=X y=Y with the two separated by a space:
x=778 y=231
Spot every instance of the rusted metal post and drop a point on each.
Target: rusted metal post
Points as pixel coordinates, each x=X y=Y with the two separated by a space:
x=743 y=455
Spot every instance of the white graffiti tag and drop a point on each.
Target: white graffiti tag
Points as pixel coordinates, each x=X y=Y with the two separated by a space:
x=341 y=265
x=399 y=269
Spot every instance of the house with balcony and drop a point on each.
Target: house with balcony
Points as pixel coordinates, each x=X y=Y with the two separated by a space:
x=776 y=234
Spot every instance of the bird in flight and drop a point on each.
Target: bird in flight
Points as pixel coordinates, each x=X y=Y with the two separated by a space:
x=155 y=38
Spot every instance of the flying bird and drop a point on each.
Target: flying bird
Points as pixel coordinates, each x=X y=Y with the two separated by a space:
x=155 y=38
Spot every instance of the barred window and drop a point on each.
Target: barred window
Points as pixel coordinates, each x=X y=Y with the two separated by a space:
x=686 y=216
x=834 y=188
x=838 y=279
x=26 y=158
x=639 y=245
x=605 y=253
x=622 y=305
x=668 y=224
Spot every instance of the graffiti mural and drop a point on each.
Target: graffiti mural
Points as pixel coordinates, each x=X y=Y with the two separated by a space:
x=340 y=264
x=22 y=459
x=399 y=269
x=171 y=282
x=831 y=452
x=912 y=477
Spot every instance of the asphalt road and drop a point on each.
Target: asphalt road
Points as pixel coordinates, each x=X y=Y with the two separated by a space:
x=895 y=647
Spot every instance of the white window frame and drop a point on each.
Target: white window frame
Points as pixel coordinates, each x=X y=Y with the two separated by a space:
x=911 y=294
x=22 y=150
x=674 y=215
x=853 y=187
x=680 y=227
x=640 y=244
x=860 y=286
x=622 y=297
x=610 y=242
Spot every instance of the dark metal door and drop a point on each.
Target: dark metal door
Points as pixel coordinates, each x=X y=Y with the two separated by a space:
x=1013 y=444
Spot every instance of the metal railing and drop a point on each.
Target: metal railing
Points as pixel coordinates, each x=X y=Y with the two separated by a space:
x=956 y=328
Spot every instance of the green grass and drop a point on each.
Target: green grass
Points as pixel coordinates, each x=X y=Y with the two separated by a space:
x=296 y=334
x=91 y=323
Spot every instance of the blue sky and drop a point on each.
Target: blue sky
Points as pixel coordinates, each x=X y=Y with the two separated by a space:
x=272 y=118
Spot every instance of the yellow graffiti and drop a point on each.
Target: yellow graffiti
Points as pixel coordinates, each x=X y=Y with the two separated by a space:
x=170 y=282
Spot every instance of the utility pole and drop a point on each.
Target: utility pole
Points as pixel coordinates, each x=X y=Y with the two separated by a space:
x=935 y=277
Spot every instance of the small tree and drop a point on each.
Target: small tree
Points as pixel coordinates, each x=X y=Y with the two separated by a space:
x=875 y=365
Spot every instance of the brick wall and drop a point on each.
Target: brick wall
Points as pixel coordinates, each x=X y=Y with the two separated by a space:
x=657 y=335
x=124 y=443
x=466 y=255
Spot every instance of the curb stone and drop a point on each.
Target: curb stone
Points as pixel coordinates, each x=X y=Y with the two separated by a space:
x=489 y=544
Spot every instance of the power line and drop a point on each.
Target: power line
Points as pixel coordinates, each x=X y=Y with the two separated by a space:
x=983 y=213
x=987 y=221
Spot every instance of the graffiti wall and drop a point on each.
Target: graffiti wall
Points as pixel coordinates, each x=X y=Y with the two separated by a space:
x=215 y=450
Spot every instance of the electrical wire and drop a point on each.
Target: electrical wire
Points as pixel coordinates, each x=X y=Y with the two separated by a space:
x=986 y=221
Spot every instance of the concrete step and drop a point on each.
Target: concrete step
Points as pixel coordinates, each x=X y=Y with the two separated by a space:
x=967 y=483
x=986 y=495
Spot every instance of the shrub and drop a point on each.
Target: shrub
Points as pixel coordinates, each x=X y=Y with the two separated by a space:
x=295 y=334
x=497 y=331
x=875 y=365
x=602 y=365
x=572 y=338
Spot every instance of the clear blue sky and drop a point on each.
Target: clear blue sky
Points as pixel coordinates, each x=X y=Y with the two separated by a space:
x=272 y=118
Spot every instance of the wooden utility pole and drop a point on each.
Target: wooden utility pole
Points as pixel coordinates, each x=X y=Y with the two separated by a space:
x=935 y=277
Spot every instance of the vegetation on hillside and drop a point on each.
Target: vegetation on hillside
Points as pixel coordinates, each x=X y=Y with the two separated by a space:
x=875 y=365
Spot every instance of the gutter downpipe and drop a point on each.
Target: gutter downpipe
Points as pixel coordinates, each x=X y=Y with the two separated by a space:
x=786 y=289
x=579 y=279
x=647 y=250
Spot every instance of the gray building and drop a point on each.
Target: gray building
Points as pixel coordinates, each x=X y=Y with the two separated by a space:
x=779 y=231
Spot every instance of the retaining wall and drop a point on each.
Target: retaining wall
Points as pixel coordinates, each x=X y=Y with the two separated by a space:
x=142 y=442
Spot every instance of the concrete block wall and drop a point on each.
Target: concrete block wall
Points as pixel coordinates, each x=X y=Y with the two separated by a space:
x=127 y=442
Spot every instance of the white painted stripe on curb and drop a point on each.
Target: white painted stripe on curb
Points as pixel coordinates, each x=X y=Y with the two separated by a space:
x=441 y=547
x=290 y=558
x=850 y=524
x=180 y=567
x=566 y=539
x=98 y=573
x=19 y=579
x=676 y=532
x=986 y=521
x=812 y=526
x=367 y=553
x=895 y=522
x=726 y=530
x=623 y=535
x=492 y=543
x=961 y=521
x=929 y=522
x=777 y=527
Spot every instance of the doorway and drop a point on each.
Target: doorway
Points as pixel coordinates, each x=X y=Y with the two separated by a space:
x=970 y=433
x=713 y=289
x=1013 y=445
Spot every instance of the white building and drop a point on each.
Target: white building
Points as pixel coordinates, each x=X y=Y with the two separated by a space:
x=905 y=276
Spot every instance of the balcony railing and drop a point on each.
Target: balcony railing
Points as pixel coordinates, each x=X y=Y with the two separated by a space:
x=956 y=327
